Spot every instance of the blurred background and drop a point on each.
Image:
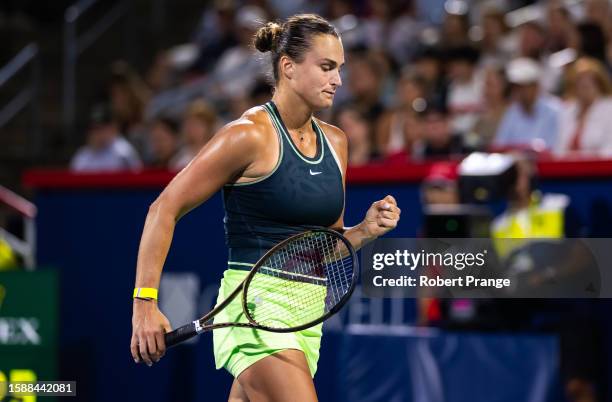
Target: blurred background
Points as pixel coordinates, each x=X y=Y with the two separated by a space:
x=102 y=102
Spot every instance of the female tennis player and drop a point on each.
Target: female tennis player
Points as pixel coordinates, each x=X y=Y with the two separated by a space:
x=282 y=172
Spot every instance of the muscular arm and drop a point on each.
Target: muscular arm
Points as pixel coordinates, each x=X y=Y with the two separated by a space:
x=231 y=152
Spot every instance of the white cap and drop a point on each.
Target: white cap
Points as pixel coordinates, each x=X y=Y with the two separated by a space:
x=523 y=71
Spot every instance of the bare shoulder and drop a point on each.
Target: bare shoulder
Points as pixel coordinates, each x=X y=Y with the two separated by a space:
x=249 y=130
x=256 y=115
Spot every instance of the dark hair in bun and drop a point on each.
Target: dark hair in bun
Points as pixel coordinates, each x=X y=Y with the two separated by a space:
x=266 y=36
x=293 y=38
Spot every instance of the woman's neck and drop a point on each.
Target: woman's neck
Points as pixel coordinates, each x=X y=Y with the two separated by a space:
x=295 y=113
x=585 y=104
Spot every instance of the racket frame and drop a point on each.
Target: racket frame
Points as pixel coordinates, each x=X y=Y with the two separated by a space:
x=198 y=326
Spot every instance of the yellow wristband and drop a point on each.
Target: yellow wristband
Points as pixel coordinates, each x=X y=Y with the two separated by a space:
x=145 y=293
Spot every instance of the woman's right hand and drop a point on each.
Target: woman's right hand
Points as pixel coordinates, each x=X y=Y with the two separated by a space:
x=148 y=328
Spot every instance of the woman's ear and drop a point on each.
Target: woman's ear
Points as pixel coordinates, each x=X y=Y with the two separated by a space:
x=286 y=67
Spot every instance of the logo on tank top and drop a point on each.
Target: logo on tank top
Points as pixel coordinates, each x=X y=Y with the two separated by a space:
x=314 y=173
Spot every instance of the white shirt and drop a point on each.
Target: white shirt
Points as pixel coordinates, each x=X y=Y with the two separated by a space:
x=118 y=155
x=465 y=101
x=596 y=138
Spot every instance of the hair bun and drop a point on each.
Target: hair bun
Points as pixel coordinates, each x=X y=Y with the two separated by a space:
x=266 y=36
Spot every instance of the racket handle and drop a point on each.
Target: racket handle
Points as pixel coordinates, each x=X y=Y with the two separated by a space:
x=181 y=334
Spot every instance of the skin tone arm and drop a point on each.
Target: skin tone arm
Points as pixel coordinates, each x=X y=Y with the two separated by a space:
x=381 y=217
x=232 y=153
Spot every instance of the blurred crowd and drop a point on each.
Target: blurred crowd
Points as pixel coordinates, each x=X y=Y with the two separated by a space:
x=423 y=80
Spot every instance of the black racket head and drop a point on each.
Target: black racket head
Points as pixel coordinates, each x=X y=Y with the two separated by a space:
x=301 y=281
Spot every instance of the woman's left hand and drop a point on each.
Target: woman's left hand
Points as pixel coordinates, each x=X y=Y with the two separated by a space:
x=382 y=217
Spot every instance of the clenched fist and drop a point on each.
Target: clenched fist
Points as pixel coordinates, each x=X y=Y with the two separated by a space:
x=382 y=217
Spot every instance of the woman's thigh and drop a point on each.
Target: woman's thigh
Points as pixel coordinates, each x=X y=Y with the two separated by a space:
x=281 y=377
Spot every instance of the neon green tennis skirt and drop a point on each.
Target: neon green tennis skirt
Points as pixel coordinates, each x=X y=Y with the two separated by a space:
x=238 y=348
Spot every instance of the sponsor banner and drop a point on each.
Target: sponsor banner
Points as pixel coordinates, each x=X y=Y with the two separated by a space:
x=28 y=328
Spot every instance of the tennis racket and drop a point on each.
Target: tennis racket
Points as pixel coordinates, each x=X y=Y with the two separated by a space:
x=299 y=283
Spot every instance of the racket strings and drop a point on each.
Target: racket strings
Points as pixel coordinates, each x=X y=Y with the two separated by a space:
x=300 y=282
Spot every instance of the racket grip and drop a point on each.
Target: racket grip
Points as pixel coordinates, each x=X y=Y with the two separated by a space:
x=181 y=334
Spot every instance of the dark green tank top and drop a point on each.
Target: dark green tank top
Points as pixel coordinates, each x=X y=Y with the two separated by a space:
x=300 y=193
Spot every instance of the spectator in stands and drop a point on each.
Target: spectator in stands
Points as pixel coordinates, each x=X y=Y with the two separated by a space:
x=165 y=141
x=335 y=9
x=375 y=28
x=129 y=96
x=392 y=28
x=526 y=206
x=106 y=149
x=587 y=117
x=238 y=68
x=532 y=40
x=428 y=63
x=456 y=26
x=158 y=76
x=496 y=92
x=198 y=126
x=438 y=140
x=404 y=32
x=440 y=185
x=365 y=84
x=396 y=129
x=561 y=29
x=592 y=41
x=532 y=45
x=259 y=94
x=465 y=88
x=358 y=131
x=532 y=119
x=600 y=13
x=496 y=45
x=215 y=34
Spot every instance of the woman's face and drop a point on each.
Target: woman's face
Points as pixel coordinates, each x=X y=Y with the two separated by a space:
x=196 y=132
x=436 y=128
x=531 y=41
x=355 y=127
x=317 y=77
x=429 y=68
x=164 y=142
x=120 y=101
x=555 y=20
x=409 y=91
x=364 y=80
x=587 y=89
